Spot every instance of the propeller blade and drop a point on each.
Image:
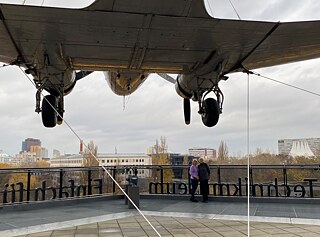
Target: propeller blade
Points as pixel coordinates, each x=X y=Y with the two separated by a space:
x=167 y=77
x=186 y=111
x=82 y=74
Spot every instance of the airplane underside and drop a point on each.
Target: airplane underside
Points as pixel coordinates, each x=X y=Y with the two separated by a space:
x=128 y=42
x=123 y=82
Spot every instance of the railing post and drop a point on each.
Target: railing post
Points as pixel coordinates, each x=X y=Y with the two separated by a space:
x=28 y=185
x=114 y=176
x=89 y=182
x=60 y=183
x=21 y=189
x=13 y=193
x=285 y=179
x=219 y=174
x=251 y=181
x=161 y=178
x=5 y=194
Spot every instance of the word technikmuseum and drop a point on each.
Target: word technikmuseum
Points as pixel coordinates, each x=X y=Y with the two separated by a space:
x=216 y=189
x=239 y=189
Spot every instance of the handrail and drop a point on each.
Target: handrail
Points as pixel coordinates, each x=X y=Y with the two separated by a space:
x=282 y=180
x=168 y=166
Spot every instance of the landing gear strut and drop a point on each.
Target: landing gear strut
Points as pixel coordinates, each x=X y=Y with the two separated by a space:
x=209 y=108
x=52 y=107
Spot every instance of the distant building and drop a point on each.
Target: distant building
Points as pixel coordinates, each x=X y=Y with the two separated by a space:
x=205 y=153
x=124 y=159
x=44 y=153
x=37 y=150
x=179 y=159
x=107 y=159
x=5 y=158
x=26 y=144
x=55 y=153
x=127 y=159
x=25 y=157
x=67 y=160
x=308 y=147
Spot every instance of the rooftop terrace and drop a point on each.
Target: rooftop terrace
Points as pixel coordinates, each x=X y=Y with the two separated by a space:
x=63 y=202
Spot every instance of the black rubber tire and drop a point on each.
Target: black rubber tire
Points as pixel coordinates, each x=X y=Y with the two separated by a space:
x=186 y=111
x=211 y=114
x=48 y=114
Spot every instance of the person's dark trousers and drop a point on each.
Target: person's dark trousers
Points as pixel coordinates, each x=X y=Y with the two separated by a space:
x=204 y=188
x=194 y=185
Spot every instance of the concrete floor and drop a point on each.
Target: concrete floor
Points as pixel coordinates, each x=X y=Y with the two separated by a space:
x=170 y=217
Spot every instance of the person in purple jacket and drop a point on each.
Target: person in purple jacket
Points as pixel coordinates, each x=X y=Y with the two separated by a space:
x=193 y=171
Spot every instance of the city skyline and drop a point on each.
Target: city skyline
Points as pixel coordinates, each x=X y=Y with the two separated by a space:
x=155 y=110
x=29 y=144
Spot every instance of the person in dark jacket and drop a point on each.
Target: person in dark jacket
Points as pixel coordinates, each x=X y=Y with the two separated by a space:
x=204 y=175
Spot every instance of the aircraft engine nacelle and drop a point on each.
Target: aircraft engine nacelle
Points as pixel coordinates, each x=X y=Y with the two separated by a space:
x=182 y=86
x=124 y=83
x=69 y=81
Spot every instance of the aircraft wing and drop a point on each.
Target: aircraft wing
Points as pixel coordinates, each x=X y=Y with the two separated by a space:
x=151 y=36
x=289 y=42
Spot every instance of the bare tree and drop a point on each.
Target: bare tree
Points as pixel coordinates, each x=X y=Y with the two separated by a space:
x=89 y=159
x=161 y=148
x=185 y=171
x=317 y=151
x=90 y=154
x=161 y=157
x=163 y=145
x=223 y=153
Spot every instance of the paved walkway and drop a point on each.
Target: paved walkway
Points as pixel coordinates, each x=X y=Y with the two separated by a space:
x=111 y=217
x=136 y=226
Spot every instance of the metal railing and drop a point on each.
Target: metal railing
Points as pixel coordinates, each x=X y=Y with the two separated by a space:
x=19 y=185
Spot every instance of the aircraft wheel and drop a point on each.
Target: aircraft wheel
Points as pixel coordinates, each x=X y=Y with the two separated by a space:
x=211 y=112
x=186 y=111
x=49 y=115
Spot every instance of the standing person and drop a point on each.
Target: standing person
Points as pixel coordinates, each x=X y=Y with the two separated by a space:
x=204 y=174
x=193 y=171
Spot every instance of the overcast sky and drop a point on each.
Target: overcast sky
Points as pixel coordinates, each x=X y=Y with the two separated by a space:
x=155 y=109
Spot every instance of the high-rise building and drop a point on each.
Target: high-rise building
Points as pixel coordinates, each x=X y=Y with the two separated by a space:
x=37 y=150
x=44 y=152
x=308 y=147
x=26 y=144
